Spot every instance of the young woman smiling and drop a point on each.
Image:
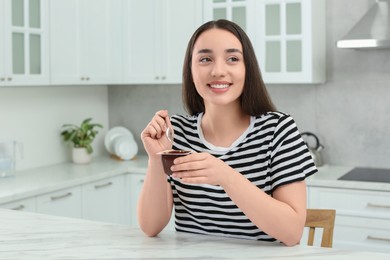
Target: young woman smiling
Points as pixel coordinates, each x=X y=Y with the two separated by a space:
x=245 y=177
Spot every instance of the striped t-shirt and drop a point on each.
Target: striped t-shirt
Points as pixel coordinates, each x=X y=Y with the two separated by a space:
x=270 y=153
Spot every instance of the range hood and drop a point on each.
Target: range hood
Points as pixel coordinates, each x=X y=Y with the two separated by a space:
x=372 y=31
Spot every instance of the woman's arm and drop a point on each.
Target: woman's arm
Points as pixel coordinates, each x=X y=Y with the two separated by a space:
x=155 y=202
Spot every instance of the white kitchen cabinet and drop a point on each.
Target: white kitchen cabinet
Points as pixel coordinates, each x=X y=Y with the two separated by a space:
x=288 y=35
x=66 y=202
x=362 y=217
x=104 y=200
x=135 y=182
x=156 y=33
x=24 y=42
x=21 y=205
x=85 y=41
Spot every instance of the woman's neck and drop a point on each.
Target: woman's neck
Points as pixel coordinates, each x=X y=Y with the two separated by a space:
x=221 y=127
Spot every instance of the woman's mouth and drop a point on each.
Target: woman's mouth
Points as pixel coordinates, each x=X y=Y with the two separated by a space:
x=219 y=86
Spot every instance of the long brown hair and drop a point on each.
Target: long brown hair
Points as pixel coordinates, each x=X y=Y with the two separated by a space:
x=254 y=99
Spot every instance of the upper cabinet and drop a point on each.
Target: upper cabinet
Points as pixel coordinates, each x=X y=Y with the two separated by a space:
x=288 y=35
x=24 y=42
x=156 y=33
x=85 y=41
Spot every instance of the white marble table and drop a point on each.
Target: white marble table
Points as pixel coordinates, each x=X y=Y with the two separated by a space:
x=36 y=236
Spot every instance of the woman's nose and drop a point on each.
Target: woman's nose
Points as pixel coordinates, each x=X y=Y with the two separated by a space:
x=219 y=69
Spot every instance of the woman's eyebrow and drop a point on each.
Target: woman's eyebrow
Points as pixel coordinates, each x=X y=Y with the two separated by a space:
x=232 y=50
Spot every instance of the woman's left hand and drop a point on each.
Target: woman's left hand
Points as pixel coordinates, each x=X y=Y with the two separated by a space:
x=200 y=168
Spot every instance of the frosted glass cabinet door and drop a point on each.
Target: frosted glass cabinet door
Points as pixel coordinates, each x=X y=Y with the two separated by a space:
x=291 y=40
x=25 y=48
x=237 y=11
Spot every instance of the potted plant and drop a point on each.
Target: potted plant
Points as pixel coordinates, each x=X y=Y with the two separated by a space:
x=81 y=138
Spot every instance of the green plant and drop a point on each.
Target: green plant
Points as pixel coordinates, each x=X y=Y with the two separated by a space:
x=81 y=136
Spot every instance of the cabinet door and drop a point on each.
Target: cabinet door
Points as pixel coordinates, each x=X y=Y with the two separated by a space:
x=141 y=40
x=25 y=39
x=154 y=52
x=291 y=40
x=66 y=202
x=2 y=43
x=82 y=37
x=21 y=205
x=104 y=200
x=177 y=29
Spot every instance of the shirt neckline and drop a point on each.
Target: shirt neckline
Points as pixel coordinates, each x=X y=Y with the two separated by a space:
x=221 y=149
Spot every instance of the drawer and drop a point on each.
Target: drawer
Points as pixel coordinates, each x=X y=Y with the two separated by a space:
x=362 y=233
x=66 y=202
x=21 y=205
x=351 y=202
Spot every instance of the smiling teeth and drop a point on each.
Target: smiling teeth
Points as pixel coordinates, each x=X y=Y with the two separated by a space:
x=220 y=86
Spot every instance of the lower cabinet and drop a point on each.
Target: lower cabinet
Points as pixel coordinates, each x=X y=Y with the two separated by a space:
x=21 y=205
x=104 y=200
x=362 y=217
x=66 y=202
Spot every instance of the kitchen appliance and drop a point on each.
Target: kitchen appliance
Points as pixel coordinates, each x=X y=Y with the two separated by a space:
x=367 y=174
x=315 y=147
x=8 y=156
x=372 y=31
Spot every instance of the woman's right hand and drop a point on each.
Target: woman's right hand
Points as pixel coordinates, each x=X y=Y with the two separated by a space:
x=153 y=136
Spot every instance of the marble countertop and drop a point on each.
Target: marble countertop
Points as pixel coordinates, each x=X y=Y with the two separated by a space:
x=25 y=235
x=327 y=176
x=46 y=179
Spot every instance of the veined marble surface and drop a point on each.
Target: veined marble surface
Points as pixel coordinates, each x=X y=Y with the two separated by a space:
x=36 y=236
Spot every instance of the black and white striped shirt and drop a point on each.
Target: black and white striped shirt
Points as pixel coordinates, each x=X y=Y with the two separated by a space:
x=270 y=153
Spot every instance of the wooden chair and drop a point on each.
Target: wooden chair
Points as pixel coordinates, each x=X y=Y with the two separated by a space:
x=321 y=218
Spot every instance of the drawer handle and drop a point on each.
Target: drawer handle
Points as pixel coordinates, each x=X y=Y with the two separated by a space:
x=373 y=205
x=103 y=185
x=20 y=207
x=61 y=196
x=378 y=238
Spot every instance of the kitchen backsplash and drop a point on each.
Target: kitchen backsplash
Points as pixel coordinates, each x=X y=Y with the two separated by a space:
x=349 y=112
x=33 y=116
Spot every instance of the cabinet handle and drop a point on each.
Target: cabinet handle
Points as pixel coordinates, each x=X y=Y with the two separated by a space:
x=157 y=77
x=9 y=79
x=20 y=207
x=61 y=196
x=2 y=79
x=373 y=205
x=378 y=238
x=103 y=185
x=82 y=78
x=87 y=78
x=163 y=77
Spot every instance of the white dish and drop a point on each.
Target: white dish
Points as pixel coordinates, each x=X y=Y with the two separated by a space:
x=125 y=148
x=114 y=133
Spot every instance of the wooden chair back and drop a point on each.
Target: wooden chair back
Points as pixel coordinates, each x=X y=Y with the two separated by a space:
x=321 y=218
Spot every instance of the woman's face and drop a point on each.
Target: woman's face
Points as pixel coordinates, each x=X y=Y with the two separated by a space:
x=218 y=68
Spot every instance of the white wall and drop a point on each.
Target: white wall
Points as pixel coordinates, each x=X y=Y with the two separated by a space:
x=34 y=116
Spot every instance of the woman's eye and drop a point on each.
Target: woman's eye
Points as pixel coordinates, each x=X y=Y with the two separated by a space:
x=232 y=59
x=204 y=60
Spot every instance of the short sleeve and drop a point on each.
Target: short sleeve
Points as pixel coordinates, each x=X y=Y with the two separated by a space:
x=291 y=160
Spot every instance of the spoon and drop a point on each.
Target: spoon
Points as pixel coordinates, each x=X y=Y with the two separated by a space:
x=169 y=134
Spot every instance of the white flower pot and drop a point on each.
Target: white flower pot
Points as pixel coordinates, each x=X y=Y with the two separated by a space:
x=81 y=156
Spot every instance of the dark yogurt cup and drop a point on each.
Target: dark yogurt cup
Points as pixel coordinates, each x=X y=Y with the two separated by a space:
x=168 y=156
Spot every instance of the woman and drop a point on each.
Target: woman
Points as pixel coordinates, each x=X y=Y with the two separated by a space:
x=245 y=177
